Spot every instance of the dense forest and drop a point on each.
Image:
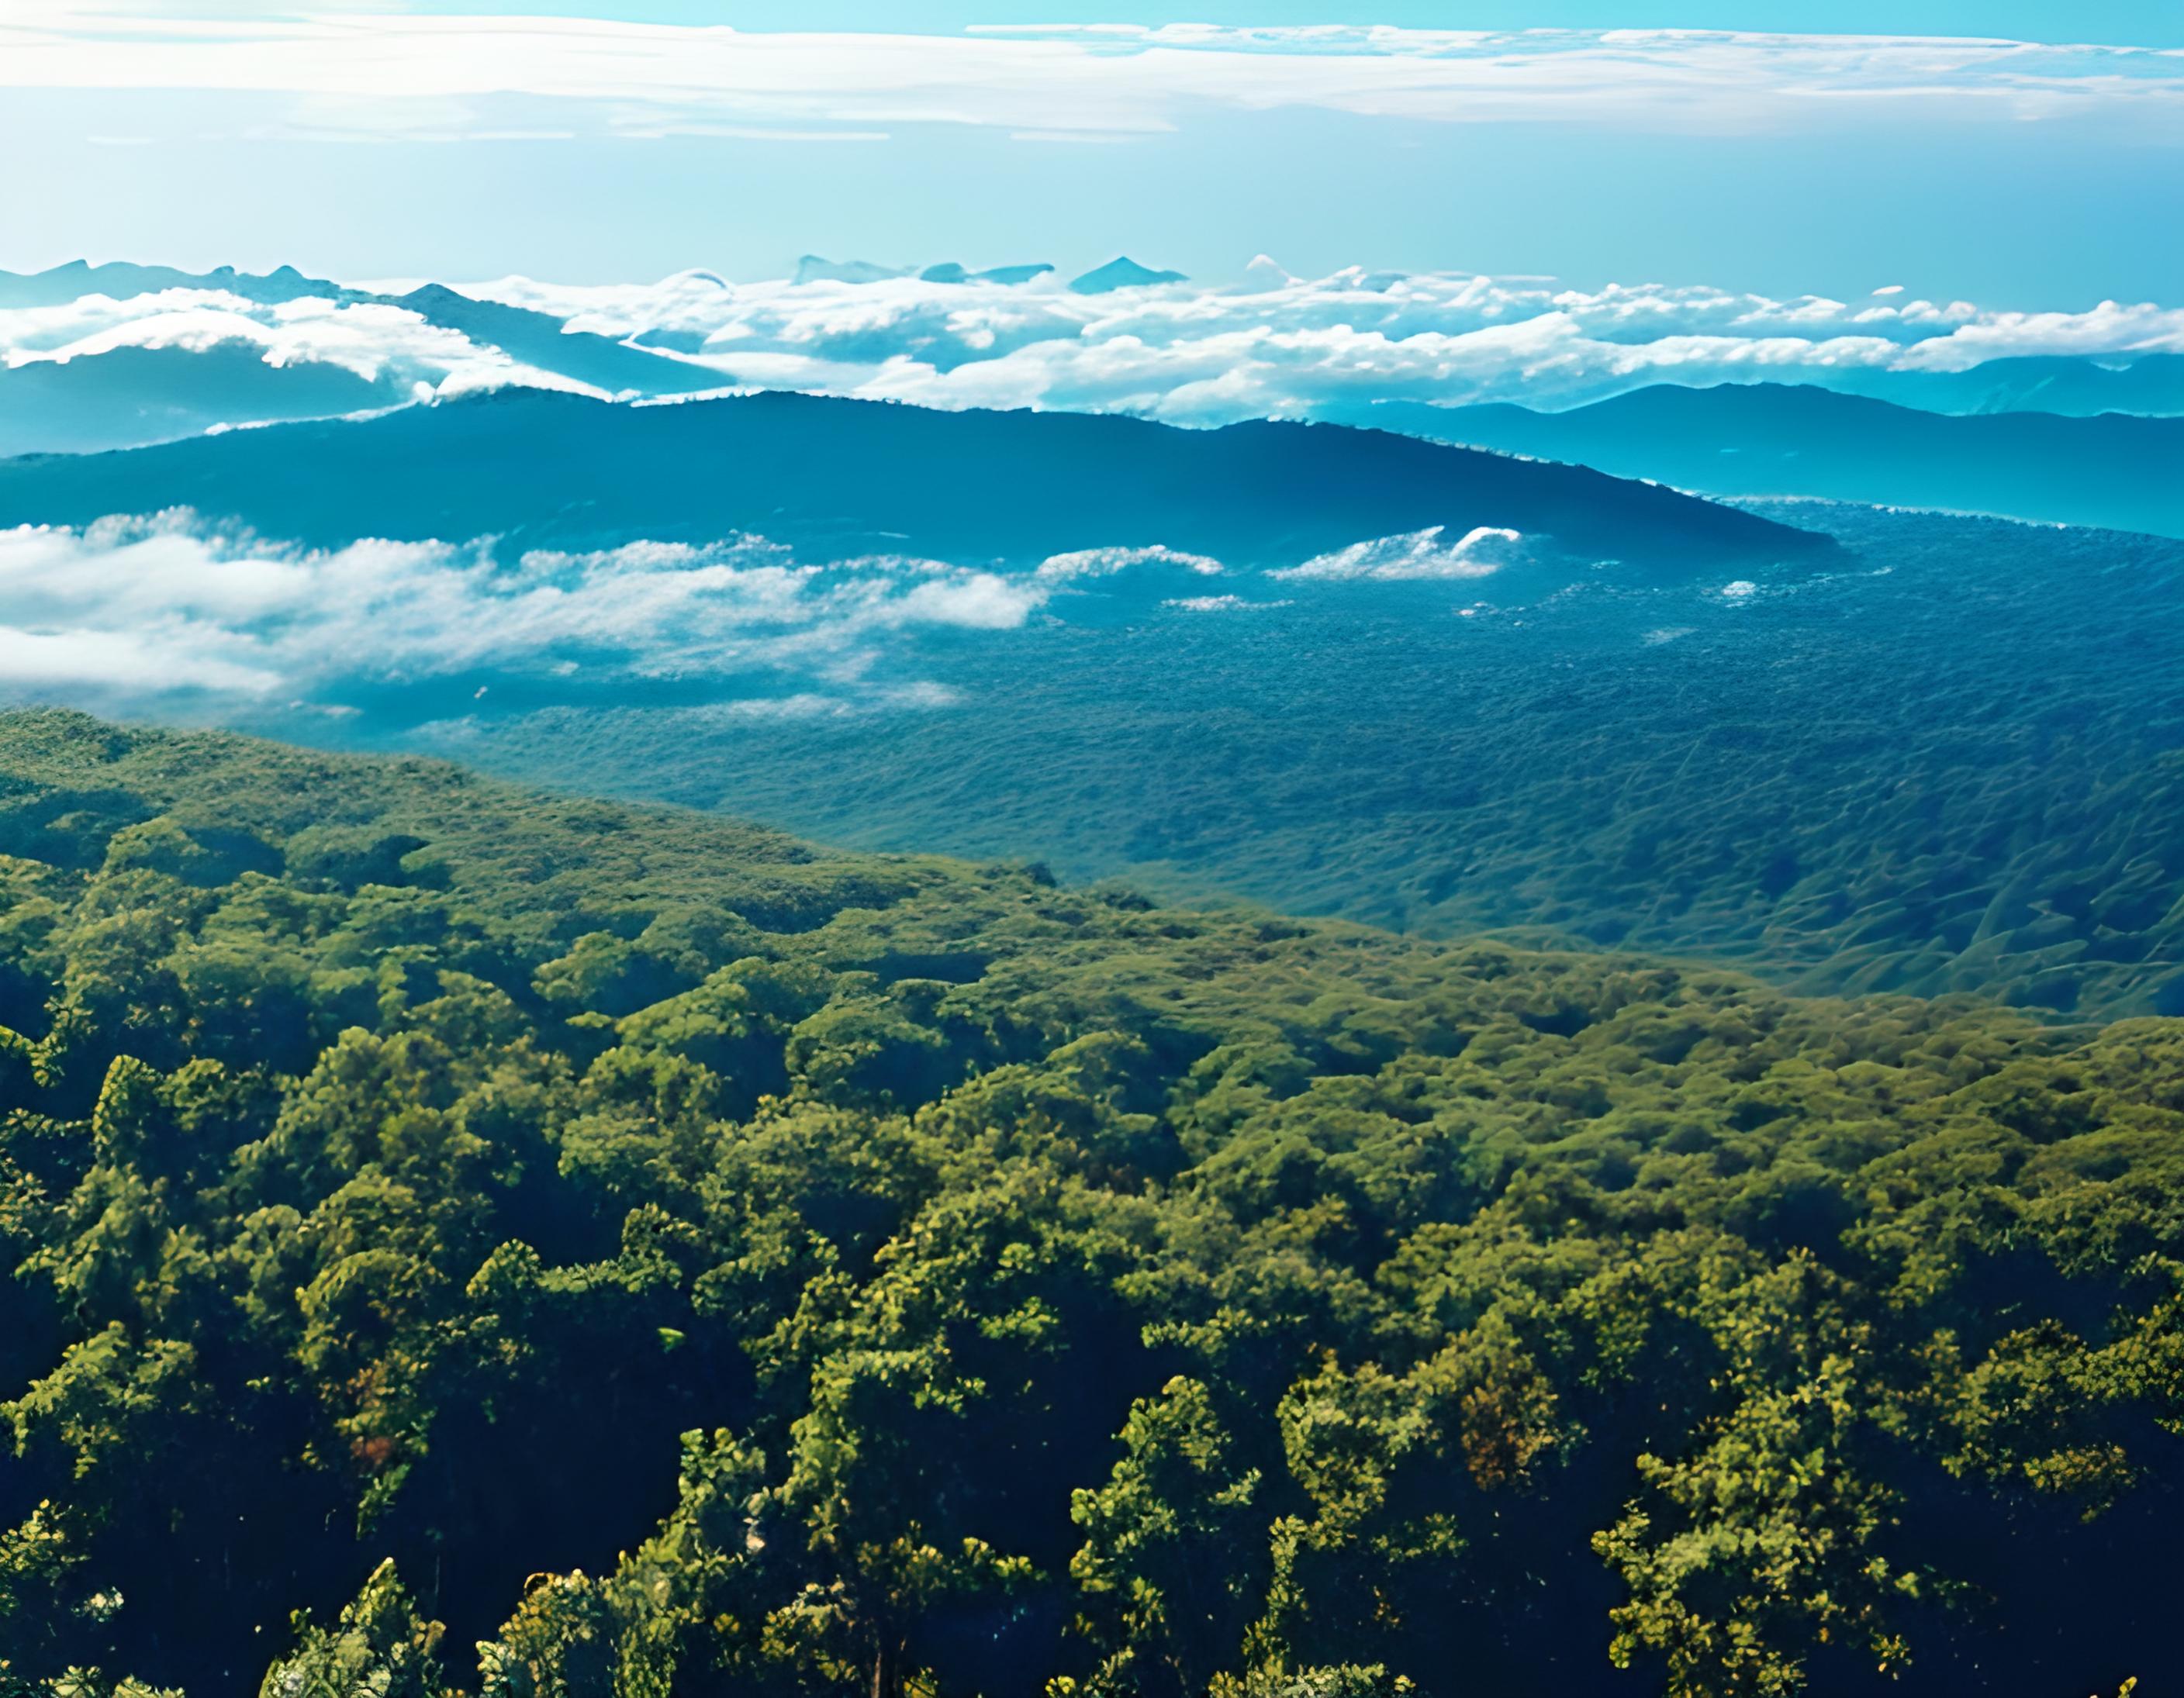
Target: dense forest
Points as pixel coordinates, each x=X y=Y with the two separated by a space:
x=468 y=1240
x=1954 y=761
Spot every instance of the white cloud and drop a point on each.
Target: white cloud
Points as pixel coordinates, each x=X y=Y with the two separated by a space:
x=1219 y=603
x=417 y=74
x=1478 y=554
x=150 y=604
x=653 y=129
x=373 y=340
x=1276 y=346
x=2110 y=327
x=168 y=658
x=130 y=610
x=1281 y=346
x=978 y=601
x=1100 y=563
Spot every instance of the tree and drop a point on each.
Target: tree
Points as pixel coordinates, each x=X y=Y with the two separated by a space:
x=379 y=1647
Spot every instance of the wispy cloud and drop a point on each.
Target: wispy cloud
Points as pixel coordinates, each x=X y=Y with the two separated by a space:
x=1077 y=79
x=136 y=609
x=642 y=127
x=1477 y=554
x=1100 y=563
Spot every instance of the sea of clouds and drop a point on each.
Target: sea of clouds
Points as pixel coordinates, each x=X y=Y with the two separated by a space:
x=1280 y=345
x=1273 y=345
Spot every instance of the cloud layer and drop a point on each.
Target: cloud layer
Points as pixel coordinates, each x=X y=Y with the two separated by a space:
x=136 y=609
x=375 y=341
x=168 y=603
x=417 y=77
x=1282 y=345
x=155 y=612
x=1286 y=345
x=1275 y=345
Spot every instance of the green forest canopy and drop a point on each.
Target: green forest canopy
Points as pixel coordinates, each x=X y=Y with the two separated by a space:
x=465 y=1239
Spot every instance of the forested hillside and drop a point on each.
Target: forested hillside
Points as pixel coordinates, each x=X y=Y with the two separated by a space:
x=1954 y=764
x=541 y=468
x=465 y=1240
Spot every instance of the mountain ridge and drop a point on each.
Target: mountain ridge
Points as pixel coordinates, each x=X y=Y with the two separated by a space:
x=871 y=476
x=2114 y=471
x=58 y=285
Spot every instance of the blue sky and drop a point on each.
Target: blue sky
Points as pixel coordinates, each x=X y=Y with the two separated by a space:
x=579 y=148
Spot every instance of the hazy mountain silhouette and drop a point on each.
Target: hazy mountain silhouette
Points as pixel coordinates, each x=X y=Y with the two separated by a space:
x=813 y=267
x=2151 y=383
x=122 y=280
x=949 y=272
x=1122 y=274
x=868 y=477
x=86 y=402
x=541 y=339
x=2116 y=470
x=137 y=395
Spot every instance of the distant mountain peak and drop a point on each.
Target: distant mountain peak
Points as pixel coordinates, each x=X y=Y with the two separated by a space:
x=439 y=293
x=1123 y=273
x=1010 y=275
x=814 y=268
x=122 y=278
x=950 y=272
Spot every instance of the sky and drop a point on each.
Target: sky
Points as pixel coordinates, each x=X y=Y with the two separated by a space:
x=1804 y=147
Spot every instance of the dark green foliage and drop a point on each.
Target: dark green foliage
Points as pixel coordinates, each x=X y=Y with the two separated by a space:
x=1954 y=763
x=463 y=1241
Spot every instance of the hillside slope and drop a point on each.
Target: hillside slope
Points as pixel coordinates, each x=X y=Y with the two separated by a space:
x=1953 y=760
x=632 y=1240
x=2116 y=470
x=866 y=476
x=189 y=378
x=137 y=395
x=118 y=280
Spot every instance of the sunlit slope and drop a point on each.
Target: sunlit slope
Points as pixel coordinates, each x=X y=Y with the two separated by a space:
x=620 y=1235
